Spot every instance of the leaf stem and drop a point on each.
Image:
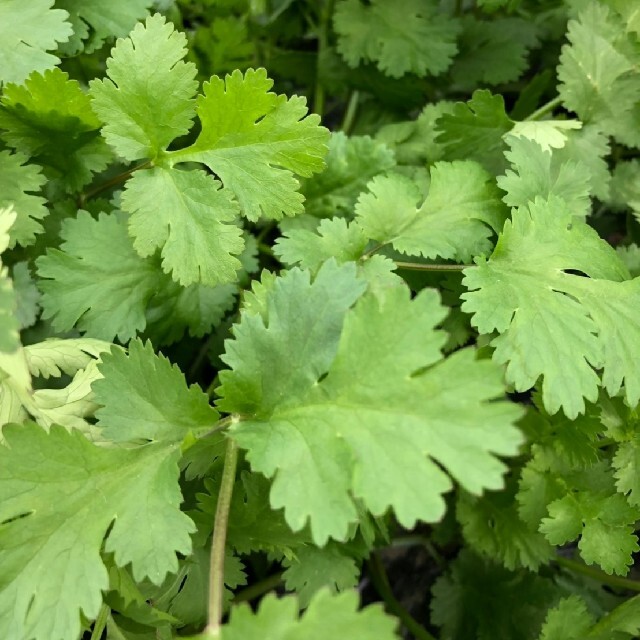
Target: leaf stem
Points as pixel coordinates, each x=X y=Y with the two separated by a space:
x=418 y=266
x=101 y=622
x=323 y=42
x=121 y=177
x=545 y=108
x=221 y=425
x=380 y=581
x=259 y=588
x=597 y=574
x=218 y=544
x=350 y=113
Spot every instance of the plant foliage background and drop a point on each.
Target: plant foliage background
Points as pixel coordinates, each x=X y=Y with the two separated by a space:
x=289 y=286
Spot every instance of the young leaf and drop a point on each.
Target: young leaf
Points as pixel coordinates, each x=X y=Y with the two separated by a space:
x=255 y=141
x=360 y=432
x=194 y=227
x=569 y=620
x=536 y=173
x=54 y=525
x=408 y=36
x=9 y=327
x=49 y=119
x=554 y=324
x=147 y=98
x=27 y=32
x=18 y=181
x=598 y=73
x=145 y=397
x=328 y=616
x=454 y=221
x=97 y=280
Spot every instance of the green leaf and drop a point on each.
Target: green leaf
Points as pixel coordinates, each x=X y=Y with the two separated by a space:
x=328 y=616
x=536 y=173
x=554 y=324
x=475 y=129
x=9 y=326
x=27 y=295
x=351 y=163
x=334 y=238
x=313 y=569
x=104 y=19
x=569 y=620
x=256 y=142
x=455 y=220
x=18 y=182
x=598 y=74
x=361 y=431
x=194 y=228
x=492 y=52
x=55 y=356
x=410 y=36
x=58 y=539
x=49 y=119
x=145 y=397
x=147 y=99
x=482 y=600
x=96 y=281
x=27 y=32
x=605 y=525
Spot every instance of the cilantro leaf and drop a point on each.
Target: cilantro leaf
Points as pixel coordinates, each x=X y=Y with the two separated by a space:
x=194 y=227
x=27 y=32
x=59 y=538
x=313 y=569
x=147 y=98
x=145 y=397
x=492 y=52
x=328 y=616
x=351 y=163
x=546 y=316
x=105 y=19
x=96 y=280
x=475 y=129
x=370 y=406
x=604 y=523
x=49 y=119
x=410 y=36
x=18 y=182
x=255 y=141
x=455 y=220
x=536 y=173
x=569 y=620
x=598 y=74
x=9 y=327
x=55 y=356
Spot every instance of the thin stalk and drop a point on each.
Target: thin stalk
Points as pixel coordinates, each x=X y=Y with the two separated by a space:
x=350 y=113
x=101 y=622
x=323 y=42
x=418 y=266
x=216 y=567
x=116 y=180
x=545 y=108
x=595 y=574
x=259 y=588
x=381 y=583
x=221 y=425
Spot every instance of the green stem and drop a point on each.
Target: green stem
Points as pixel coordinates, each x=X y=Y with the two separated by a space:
x=381 y=583
x=323 y=41
x=597 y=574
x=418 y=266
x=221 y=425
x=101 y=622
x=116 y=180
x=216 y=566
x=545 y=108
x=259 y=588
x=350 y=113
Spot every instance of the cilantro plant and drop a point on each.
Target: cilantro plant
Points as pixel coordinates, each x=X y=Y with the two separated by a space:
x=319 y=319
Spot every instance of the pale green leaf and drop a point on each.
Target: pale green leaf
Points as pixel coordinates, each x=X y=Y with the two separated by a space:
x=146 y=100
